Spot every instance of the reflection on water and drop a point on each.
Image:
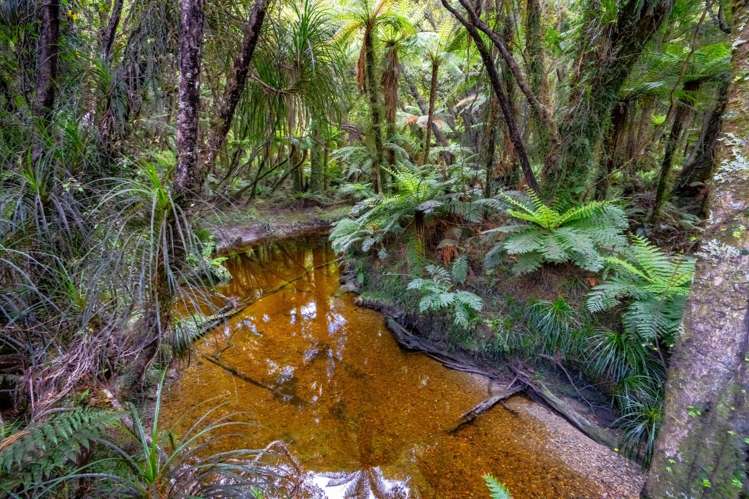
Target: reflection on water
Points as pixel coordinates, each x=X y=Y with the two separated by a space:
x=306 y=366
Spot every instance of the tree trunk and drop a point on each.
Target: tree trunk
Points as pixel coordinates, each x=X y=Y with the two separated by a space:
x=109 y=34
x=611 y=148
x=236 y=84
x=46 y=69
x=701 y=448
x=390 y=76
x=690 y=190
x=490 y=144
x=316 y=173
x=504 y=103
x=680 y=116
x=536 y=68
x=374 y=109
x=512 y=68
x=595 y=87
x=187 y=179
x=430 y=112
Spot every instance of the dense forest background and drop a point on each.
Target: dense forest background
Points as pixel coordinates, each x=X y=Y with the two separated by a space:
x=546 y=179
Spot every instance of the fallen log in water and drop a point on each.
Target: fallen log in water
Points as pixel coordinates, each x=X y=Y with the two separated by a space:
x=485 y=405
x=525 y=376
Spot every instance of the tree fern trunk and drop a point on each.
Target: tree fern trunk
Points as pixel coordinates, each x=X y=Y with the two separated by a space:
x=46 y=69
x=374 y=109
x=430 y=112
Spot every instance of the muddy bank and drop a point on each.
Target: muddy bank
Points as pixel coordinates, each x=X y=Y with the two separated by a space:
x=235 y=231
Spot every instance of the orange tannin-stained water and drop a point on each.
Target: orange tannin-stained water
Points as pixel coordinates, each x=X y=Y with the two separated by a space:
x=334 y=385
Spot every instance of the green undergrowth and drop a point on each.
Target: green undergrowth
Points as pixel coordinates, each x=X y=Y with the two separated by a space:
x=608 y=327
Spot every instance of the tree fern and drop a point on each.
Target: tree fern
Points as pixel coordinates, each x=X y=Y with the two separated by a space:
x=29 y=456
x=654 y=285
x=545 y=235
x=439 y=293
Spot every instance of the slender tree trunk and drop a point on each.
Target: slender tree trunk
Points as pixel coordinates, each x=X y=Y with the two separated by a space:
x=691 y=188
x=490 y=144
x=430 y=113
x=110 y=33
x=374 y=109
x=595 y=87
x=46 y=69
x=316 y=160
x=438 y=135
x=701 y=448
x=504 y=103
x=680 y=116
x=187 y=179
x=508 y=165
x=512 y=68
x=235 y=84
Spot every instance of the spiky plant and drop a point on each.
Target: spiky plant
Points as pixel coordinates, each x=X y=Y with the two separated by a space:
x=653 y=285
x=556 y=322
x=439 y=293
x=578 y=235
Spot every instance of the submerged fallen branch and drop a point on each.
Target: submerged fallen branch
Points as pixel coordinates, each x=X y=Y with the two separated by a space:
x=485 y=405
x=291 y=398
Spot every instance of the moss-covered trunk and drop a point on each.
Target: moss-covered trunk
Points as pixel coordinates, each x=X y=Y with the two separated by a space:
x=374 y=108
x=430 y=111
x=594 y=87
x=701 y=449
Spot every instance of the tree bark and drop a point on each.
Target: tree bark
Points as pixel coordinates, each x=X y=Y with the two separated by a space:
x=187 y=179
x=46 y=69
x=680 y=116
x=430 y=112
x=595 y=87
x=490 y=144
x=701 y=448
x=374 y=108
x=504 y=103
x=236 y=84
x=536 y=69
x=691 y=188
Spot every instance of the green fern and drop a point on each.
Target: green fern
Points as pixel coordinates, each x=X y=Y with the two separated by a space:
x=48 y=448
x=654 y=285
x=439 y=293
x=497 y=490
x=545 y=235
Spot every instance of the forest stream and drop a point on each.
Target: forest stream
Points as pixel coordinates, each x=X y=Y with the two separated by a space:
x=356 y=410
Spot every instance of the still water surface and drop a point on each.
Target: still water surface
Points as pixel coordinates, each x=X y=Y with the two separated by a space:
x=347 y=399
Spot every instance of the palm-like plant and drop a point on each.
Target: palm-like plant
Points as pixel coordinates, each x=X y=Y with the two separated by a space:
x=577 y=235
x=415 y=195
x=369 y=18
